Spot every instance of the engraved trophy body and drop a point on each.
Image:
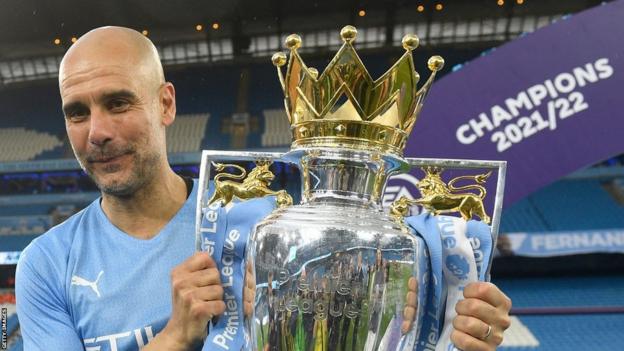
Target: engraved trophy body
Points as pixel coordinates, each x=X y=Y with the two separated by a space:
x=333 y=272
x=337 y=272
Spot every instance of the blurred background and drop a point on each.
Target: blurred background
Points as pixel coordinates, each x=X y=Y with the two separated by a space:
x=217 y=54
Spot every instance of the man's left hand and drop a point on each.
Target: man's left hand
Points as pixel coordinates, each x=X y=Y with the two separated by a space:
x=482 y=317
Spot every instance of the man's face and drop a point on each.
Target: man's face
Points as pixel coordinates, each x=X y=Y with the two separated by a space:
x=112 y=121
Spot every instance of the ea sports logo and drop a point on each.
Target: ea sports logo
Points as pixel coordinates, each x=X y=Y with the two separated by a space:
x=400 y=185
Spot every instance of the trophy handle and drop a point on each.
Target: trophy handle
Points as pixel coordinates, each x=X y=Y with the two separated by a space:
x=439 y=197
x=433 y=166
x=253 y=185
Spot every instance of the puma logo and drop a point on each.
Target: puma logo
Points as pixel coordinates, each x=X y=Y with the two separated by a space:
x=76 y=280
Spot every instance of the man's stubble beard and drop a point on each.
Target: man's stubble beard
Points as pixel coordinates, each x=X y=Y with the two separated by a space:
x=142 y=171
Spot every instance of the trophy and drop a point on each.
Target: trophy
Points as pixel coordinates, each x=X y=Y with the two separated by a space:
x=337 y=271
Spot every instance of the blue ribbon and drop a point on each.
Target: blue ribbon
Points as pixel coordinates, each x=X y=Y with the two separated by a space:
x=426 y=226
x=213 y=227
x=481 y=240
x=225 y=234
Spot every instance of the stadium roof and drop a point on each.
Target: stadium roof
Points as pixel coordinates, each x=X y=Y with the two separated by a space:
x=29 y=27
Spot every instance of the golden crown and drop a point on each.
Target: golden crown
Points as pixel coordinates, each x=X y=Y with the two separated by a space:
x=377 y=115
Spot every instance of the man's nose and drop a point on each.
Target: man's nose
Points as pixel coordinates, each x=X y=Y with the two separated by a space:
x=101 y=129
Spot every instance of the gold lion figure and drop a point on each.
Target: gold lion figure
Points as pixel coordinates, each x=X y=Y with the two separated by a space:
x=254 y=185
x=438 y=197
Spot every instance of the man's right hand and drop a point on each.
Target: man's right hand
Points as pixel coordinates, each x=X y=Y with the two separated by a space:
x=197 y=296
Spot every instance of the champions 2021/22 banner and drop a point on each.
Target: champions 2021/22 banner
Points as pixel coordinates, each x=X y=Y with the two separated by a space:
x=549 y=103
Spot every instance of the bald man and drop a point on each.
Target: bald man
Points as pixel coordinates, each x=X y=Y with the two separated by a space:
x=101 y=280
x=123 y=273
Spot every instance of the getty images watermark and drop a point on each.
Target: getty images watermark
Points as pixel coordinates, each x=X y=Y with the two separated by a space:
x=4 y=329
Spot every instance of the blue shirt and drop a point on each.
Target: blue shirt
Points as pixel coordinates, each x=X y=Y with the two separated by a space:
x=85 y=284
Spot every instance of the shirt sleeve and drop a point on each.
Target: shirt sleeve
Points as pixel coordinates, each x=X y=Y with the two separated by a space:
x=41 y=309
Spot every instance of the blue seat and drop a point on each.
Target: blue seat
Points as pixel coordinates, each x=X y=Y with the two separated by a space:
x=522 y=217
x=578 y=204
x=595 y=332
x=564 y=205
x=564 y=291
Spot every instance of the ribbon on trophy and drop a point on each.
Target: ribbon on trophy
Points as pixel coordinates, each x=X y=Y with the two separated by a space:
x=224 y=234
x=426 y=225
x=459 y=252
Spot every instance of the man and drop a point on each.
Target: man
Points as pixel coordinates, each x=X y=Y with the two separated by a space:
x=122 y=273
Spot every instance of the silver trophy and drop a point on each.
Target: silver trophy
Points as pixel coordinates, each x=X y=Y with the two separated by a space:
x=337 y=271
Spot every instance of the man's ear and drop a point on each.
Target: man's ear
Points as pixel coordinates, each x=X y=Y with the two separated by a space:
x=167 y=103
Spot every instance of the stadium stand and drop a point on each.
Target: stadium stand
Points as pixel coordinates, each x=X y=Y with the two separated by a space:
x=27 y=210
x=578 y=204
x=558 y=313
x=563 y=292
x=522 y=216
x=197 y=93
x=19 y=225
x=36 y=131
x=31 y=130
x=21 y=144
x=276 y=128
x=17 y=242
x=186 y=134
x=580 y=332
x=565 y=205
x=23 y=225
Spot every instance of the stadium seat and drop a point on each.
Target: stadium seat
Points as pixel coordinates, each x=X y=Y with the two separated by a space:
x=549 y=331
x=20 y=225
x=564 y=291
x=576 y=332
x=276 y=128
x=186 y=133
x=522 y=216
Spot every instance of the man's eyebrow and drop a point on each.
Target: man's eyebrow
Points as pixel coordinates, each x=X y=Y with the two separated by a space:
x=104 y=98
x=73 y=106
x=118 y=94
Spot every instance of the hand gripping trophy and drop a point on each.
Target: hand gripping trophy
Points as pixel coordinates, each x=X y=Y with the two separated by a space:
x=335 y=271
